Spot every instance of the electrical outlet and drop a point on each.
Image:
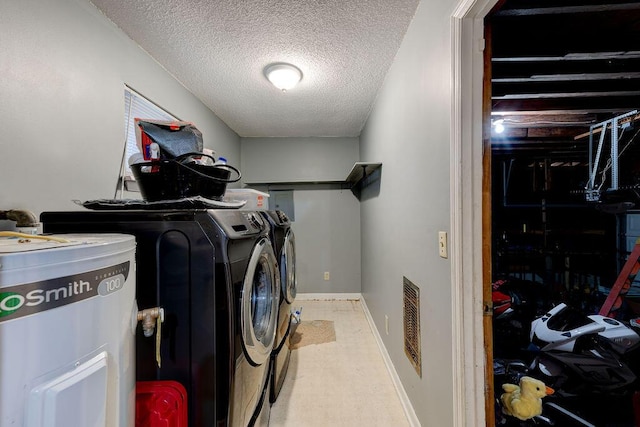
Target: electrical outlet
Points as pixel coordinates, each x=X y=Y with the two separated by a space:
x=442 y=244
x=386 y=324
x=326 y=275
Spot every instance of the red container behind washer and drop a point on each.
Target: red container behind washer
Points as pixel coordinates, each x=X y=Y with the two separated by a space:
x=161 y=404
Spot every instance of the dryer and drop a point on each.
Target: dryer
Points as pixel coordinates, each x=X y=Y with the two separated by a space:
x=283 y=241
x=256 y=294
x=214 y=272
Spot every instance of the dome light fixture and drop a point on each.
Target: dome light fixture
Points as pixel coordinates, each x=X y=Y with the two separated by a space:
x=498 y=125
x=283 y=76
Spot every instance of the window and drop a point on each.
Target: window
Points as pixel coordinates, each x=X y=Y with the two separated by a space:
x=137 y=106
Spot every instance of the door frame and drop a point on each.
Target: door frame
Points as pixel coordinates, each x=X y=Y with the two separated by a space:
x=470 y=217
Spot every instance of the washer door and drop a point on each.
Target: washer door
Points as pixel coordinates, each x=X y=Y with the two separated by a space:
x=288 y=267
x=260 y=297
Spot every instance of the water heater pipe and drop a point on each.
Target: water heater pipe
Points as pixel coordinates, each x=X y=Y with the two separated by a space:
x=21 y=217
x=150 y=317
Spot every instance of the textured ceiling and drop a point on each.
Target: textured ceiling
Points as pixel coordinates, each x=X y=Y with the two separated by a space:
x=219 y=49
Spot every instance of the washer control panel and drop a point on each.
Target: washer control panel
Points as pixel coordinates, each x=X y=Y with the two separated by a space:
x=236 y=223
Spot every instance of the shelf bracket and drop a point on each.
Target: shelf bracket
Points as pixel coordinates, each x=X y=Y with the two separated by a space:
x=359 y=172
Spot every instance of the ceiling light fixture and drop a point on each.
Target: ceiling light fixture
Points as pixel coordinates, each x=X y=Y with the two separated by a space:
x=283 y=76
x=498 y=125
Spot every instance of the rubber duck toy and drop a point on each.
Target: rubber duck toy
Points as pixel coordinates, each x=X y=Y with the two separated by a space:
x=524 y=401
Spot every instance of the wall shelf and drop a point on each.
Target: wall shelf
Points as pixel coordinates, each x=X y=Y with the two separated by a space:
x=360 y=171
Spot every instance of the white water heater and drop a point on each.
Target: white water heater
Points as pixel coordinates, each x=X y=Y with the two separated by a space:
x=67 y=331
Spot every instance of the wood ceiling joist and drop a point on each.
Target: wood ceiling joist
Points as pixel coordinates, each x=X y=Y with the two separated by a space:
x=595 y=8
x=542 y=151
x=567 y=89
x=499 y=141
x=507 y=70
x=551 y=113
x=555 y=120
x=514 y=96
x=568 y=77
x=552 y=132
x=582 y=56
x=556 y=127
x=607 y=107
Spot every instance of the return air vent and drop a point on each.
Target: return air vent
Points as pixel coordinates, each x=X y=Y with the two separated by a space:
x=411 y=317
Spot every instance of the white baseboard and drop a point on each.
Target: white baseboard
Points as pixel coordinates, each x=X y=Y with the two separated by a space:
x=402 y=394
x=328 y=297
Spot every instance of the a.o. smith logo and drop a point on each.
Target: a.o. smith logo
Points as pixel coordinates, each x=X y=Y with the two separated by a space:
x=23 y=300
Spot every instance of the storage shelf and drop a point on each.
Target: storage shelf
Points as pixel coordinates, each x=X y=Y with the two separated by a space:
x=285 y=183
x=361 y=170
x=358 y=173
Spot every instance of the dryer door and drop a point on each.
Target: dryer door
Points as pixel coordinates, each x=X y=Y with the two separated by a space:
x=288 y=267
x=260 y=298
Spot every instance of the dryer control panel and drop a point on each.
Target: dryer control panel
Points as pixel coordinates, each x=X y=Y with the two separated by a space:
x=278 y=217
x=283 y=218
x=236 y=223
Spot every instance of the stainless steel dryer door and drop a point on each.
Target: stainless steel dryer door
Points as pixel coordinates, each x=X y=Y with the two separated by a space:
x=288 y=278
x=260 y=298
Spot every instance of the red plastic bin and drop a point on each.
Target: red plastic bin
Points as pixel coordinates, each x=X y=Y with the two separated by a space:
x=161 y=404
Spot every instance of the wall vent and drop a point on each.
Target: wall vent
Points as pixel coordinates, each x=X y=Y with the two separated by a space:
x=411 y=317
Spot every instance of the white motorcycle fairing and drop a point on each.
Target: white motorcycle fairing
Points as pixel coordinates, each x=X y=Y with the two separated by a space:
x=559 y=329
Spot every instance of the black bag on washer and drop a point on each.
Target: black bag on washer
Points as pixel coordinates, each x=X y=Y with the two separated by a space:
x=174 y=138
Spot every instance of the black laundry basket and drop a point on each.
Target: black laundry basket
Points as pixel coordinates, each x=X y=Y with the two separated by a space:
x=174 y=179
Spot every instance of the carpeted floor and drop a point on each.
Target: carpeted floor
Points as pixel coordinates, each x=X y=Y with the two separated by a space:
x=336 y=376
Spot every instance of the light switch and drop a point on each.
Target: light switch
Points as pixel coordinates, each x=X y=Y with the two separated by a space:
x=442 y=244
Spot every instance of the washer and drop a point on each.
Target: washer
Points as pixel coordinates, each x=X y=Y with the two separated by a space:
x=215 y=274
x=283 y=241
x=257 y=293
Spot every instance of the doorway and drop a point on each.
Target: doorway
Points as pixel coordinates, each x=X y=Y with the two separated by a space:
x=470 y=139
x=554 y=70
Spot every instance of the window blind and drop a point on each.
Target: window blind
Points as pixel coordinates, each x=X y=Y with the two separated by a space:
x=137 y=106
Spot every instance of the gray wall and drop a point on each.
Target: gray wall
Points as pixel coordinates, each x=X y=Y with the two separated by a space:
x=62 y=74
x=327 y=216
x=408 y=130
x=327 y=230
x=269 y=160
x=327 y=239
